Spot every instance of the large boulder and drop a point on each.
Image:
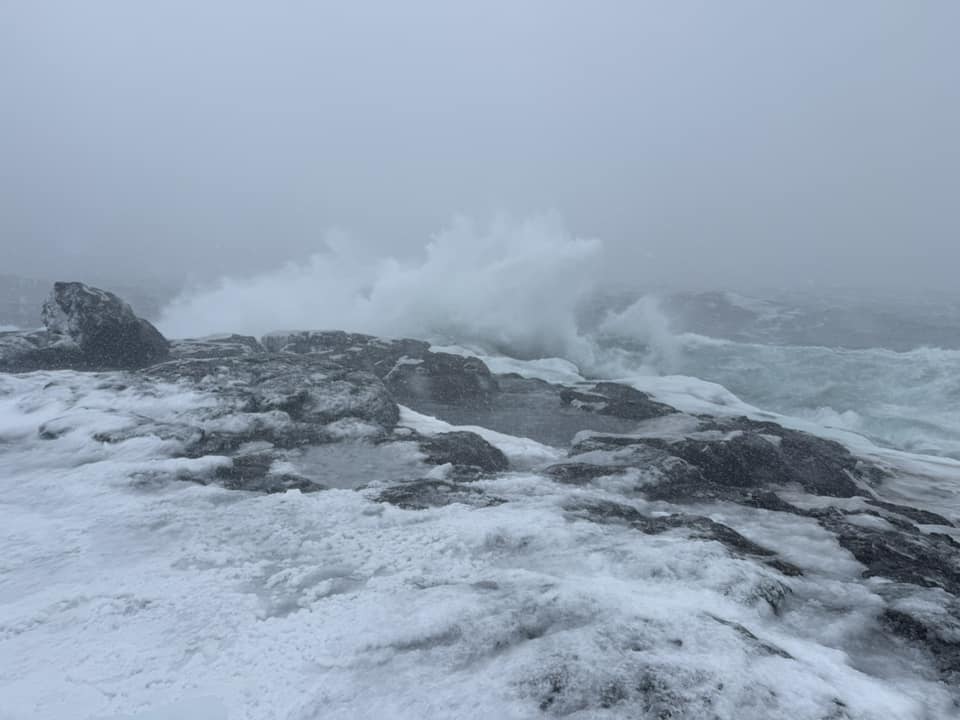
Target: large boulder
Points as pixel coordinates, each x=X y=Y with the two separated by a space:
x=105 y=329
x=86 y=329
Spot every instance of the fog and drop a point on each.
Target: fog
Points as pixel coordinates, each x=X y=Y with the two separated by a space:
x=699 y=144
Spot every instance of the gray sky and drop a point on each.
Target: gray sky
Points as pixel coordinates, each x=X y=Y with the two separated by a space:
x=705 y=143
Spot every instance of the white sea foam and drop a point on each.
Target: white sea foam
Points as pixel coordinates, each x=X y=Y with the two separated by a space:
x=499 y=286
x=120 y=599
x=515 y=290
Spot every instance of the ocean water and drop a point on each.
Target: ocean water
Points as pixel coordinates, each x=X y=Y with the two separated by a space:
x=862 y=365
x=125 y=593
x=887 y=368
x=905 y=400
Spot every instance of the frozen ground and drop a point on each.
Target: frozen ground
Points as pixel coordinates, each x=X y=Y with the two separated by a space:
x=127 y=593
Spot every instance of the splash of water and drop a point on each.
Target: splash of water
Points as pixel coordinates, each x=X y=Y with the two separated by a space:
x=515 y=288
x=510 y=287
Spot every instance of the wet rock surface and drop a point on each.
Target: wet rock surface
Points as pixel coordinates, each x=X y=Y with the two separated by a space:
x=304 y=389
x=737 y=453
x=620 y=401
x=409 y=368
x=86 y=329
x=104 y=327
x=462 y=448
x=938 y=633
x=697 y=527
x=291 y=412
x=899 y=552
x=426 y=493
x=36 y=350
x=216 y=346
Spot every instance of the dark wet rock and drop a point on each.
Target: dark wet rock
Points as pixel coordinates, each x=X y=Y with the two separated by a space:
x=422 y=494
x=766 y=500
x=740 y=461
x=578 y=473
x=38 y=350
x=924 y=517
x=774 y=592
x=573 y=686
x=285 y=435
x=441 y=377
x=666 y=476
x=462 y=448
x=743 y=466
x=86 y=329
x=106 y=330
x=215 y=346
x=816 y=458
x=697 y=527
x=353 y=350
x=254 y=472
x=690 y=487
x=751 y=460
x=620 y=401
x=764 y=648
x=748 y=454
x=592 y=442
x=622 y=452
x=185 y=434
x=410 y=369
x=717 y=463
x=897 y=521
x=784 y=567
x=927 y=560
x=938 y=634
x=267 y=406
x=307 y=389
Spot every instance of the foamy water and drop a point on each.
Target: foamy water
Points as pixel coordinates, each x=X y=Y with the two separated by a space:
x=908 y=400
x=122 y=598
x=517 y=290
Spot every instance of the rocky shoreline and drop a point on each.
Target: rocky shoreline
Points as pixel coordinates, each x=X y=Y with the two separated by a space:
x=276 y=409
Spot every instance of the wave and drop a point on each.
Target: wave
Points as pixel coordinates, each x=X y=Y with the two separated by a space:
x=512 y=287
x=518 y=288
